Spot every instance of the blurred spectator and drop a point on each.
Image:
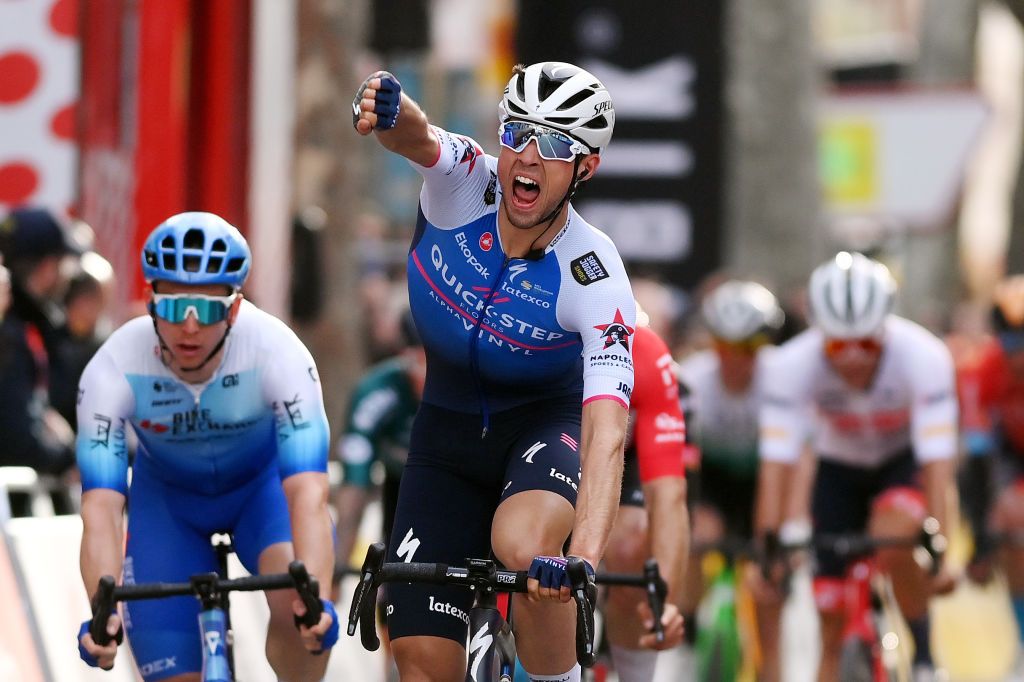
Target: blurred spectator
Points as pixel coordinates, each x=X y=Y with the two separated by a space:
x=83 y=331
x=41 y=253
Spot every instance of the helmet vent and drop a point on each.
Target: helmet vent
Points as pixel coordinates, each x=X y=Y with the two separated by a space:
x=598 y=123
x=167 y=242
x=168 y=260
x=561 y=120
x=191 y=263
x=234 y=265
x=515 y=108
x=521 y=87
x=575 y=99
x=150 y=258
x=213 y=265
x=546 y=86
x=218 y=246
x=194 y=239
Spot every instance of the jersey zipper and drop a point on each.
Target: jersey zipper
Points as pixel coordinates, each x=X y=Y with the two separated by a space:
x=474 y=351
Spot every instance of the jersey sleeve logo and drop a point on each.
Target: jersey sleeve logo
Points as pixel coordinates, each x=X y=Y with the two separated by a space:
x=588 y=269
x=616 y=331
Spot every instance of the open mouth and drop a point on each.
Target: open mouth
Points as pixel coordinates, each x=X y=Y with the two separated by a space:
x=188 y=349
x=525 y=191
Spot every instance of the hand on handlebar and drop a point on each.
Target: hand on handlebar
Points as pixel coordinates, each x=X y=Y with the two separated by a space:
x=100 y=656
x=671 y=622
x=549 y=579
x=322 y=636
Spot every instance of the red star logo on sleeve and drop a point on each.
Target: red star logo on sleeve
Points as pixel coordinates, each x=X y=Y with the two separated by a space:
x=615 y=332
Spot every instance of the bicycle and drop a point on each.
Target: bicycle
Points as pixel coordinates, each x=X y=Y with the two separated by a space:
x=492 y=650
x=875 y=634
x=212 y=591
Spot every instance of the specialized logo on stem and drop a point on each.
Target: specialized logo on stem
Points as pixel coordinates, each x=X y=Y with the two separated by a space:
x=615 y=332
x=214 y=644
x=461 y=240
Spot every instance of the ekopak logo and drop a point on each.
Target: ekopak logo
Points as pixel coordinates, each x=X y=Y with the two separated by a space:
x=486 y=241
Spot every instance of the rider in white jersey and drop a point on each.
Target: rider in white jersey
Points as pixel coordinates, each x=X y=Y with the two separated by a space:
x=232 y=438
x=874 y=396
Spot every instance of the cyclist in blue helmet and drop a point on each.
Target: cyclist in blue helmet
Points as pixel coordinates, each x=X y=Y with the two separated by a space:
x=232 y=437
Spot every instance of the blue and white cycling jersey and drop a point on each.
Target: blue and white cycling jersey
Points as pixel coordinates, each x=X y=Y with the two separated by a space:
x=500 y=332
x=263 y=403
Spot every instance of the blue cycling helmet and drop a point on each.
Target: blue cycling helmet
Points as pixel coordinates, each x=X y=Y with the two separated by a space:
x=196 y=248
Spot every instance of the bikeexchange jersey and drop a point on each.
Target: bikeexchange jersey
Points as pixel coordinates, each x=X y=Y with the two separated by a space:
x=501 y=332
x=263 y=402
x=724 y=425
x=657 y=430
x=911 y=402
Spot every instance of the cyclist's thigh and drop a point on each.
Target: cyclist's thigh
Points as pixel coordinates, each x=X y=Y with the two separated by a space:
x=263 y=519
x=732 y=496
x=445 y=506
x=840 y=504
x=163 y=548
x=545 y=456
x=389 y=503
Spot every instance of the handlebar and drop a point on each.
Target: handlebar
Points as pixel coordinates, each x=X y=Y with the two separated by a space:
x=483 y=574
x=205 y=586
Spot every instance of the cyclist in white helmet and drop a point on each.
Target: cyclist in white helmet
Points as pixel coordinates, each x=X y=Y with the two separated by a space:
x=725 y=390
x=874 y=395
x=526 y=314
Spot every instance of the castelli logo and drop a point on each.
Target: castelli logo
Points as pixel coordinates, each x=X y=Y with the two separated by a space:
x=486 y=241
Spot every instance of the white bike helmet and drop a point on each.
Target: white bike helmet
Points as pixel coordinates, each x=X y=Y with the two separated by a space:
x=561 y=96
x=737 y=310
x=851 y=296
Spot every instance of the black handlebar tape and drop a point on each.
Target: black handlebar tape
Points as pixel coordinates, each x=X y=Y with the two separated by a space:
x=309 y=592
x=584 y=592
x=657 y=590
x=103 y=607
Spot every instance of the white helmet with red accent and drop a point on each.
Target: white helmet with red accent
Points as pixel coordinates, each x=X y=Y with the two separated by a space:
x=561 y=96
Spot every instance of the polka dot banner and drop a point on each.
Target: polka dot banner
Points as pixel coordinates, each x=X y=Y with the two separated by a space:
x=39 y=91
x=19 y=76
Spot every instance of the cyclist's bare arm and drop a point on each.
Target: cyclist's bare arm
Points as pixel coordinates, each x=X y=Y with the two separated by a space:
x=603 y=436
x=307 y=495
x=770 y=509
x=102 y=554
x=669 y=530
x=669 y=525
x=411 y=137
x=937 y=478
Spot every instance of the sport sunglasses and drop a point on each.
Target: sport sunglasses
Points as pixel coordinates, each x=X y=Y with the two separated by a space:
x=175 y=308
x=868 y=345
x=553 y=145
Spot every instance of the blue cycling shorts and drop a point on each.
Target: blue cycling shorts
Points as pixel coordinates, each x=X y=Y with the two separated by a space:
x=169 y=531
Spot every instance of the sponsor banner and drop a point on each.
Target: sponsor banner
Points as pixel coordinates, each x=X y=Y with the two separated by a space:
x=658 y=191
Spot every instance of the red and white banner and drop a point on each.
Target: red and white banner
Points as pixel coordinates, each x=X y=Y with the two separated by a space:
x=39 y=89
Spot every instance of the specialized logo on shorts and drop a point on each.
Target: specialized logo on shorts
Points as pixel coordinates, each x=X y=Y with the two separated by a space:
x=486 y=241
x=534 y=449
x=448 y=610
x=407 y=548
x=615 y=332
x=588 y=269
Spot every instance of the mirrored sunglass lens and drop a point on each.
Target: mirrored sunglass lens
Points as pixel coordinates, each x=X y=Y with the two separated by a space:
x=553 y=146
x=177 y=309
